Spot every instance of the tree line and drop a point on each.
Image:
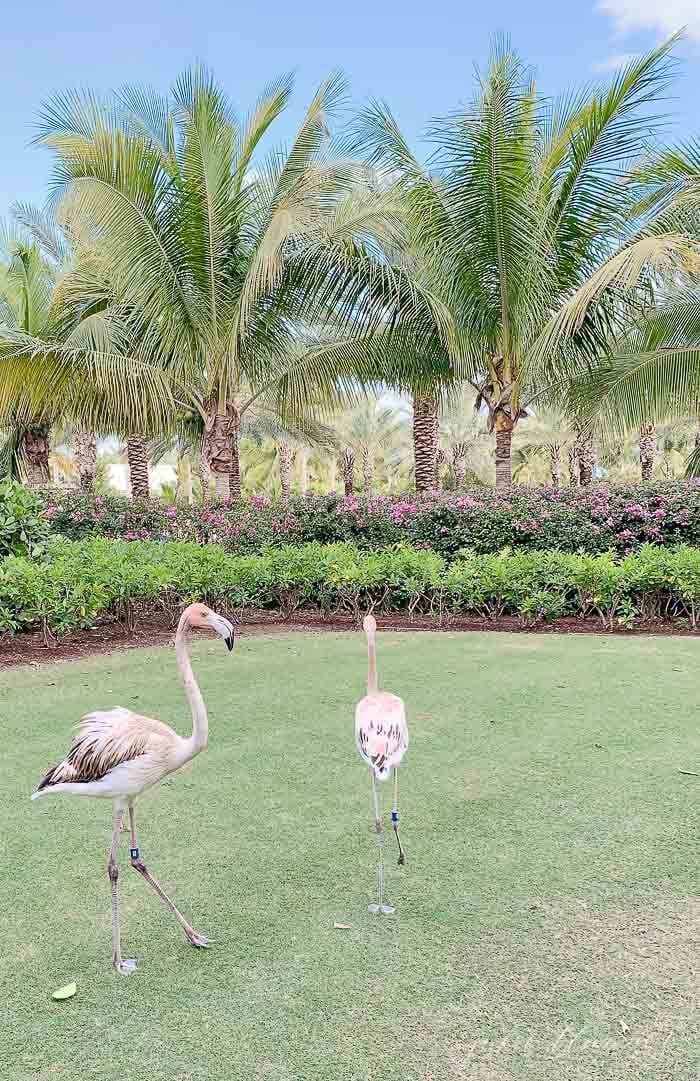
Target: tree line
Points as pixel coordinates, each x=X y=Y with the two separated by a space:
x=186 y=287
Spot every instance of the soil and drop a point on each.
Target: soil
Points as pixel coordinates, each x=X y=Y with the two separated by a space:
x=110 y=635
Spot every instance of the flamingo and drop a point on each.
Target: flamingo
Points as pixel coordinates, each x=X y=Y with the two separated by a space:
x=117 y=755
x=381 y=734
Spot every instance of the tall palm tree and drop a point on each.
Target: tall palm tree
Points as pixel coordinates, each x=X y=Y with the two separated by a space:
x=61 y=360
x=214 y=260
x=530 y=227
x=58 y=232
x=26 y=286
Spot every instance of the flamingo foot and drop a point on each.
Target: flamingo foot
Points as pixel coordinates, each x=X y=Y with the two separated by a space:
x=200 y=942
x=126 y=967
x=381 y=910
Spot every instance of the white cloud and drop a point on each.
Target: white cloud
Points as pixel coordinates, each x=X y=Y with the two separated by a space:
x=615 y=62
x=664 y=16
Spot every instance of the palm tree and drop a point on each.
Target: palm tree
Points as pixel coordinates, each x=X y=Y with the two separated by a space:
x=365 y=432
x=61 y=360
x=213 y=261
x=347 y=470
x=86 y=459
x=57 y=232
x=530 y=227
x=26 y=285
x=425 y=440
x=647 y=450
x=462 y=432
x=548 y=435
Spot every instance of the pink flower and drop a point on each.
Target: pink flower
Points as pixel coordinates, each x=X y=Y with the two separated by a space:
x=129 y=535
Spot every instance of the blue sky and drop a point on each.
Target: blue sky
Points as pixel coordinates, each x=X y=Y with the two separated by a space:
x=419 y=56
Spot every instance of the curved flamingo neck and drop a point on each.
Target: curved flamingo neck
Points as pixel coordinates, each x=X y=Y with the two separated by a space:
x=200 y=721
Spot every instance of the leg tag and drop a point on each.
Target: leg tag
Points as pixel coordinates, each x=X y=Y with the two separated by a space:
x=134 y=853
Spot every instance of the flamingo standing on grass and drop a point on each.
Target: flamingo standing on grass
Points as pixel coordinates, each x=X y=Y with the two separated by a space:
x=118 y=754
x=381 y=734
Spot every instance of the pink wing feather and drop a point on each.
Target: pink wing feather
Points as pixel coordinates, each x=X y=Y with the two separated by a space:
x=381 y=732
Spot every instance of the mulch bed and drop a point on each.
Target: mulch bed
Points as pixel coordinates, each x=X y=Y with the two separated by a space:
x=156 y=630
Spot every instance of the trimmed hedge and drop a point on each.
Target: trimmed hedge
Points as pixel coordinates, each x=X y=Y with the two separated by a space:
x=600 y=518
x=81 y=581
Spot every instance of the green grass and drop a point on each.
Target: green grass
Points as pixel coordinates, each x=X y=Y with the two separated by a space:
x=547 y=922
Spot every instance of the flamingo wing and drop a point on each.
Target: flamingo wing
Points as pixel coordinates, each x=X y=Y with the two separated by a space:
x=381 y=732
x=104 y=740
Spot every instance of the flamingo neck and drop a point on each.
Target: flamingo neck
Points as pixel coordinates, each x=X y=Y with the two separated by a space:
x=371 y=664
x=200 y=722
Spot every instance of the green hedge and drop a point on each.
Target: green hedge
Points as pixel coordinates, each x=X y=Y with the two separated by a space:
x=80 y=581
x=24 y=526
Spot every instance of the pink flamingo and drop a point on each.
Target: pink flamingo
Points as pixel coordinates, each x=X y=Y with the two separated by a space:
x=118 y=754
x=381 y=734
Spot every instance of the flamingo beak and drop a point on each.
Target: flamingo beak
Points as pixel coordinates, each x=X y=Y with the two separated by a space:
x=222 y=628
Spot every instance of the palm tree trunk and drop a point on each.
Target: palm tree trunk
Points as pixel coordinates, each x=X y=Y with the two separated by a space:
x=586 y=460
x=202 y=473
x=184 y=480
x=333 y=474
x=347 y=468
x=440 y=459
x=555 y=464
x=285 y=456
x=303 y=470
x=503 y=426
x=221 y=449
x=425 y=430
x=367 y=471
x=459 y=463
x=573 y=465
x=86 y=459
x=647 y=450
x=234 y=478
x=35 y=455
x=137 y=456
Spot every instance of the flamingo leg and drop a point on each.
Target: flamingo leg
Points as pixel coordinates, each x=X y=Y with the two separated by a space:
x=193 y=937
x=125 y=968
x=395 y=817
x=380 y=906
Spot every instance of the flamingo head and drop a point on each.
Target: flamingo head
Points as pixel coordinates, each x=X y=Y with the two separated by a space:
x=198 y=615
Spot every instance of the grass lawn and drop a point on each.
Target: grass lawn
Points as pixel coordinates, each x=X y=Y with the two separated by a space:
x=547 y=923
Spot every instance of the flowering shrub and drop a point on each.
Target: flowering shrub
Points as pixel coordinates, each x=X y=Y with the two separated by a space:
x=81 y=581
x=596 y=519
